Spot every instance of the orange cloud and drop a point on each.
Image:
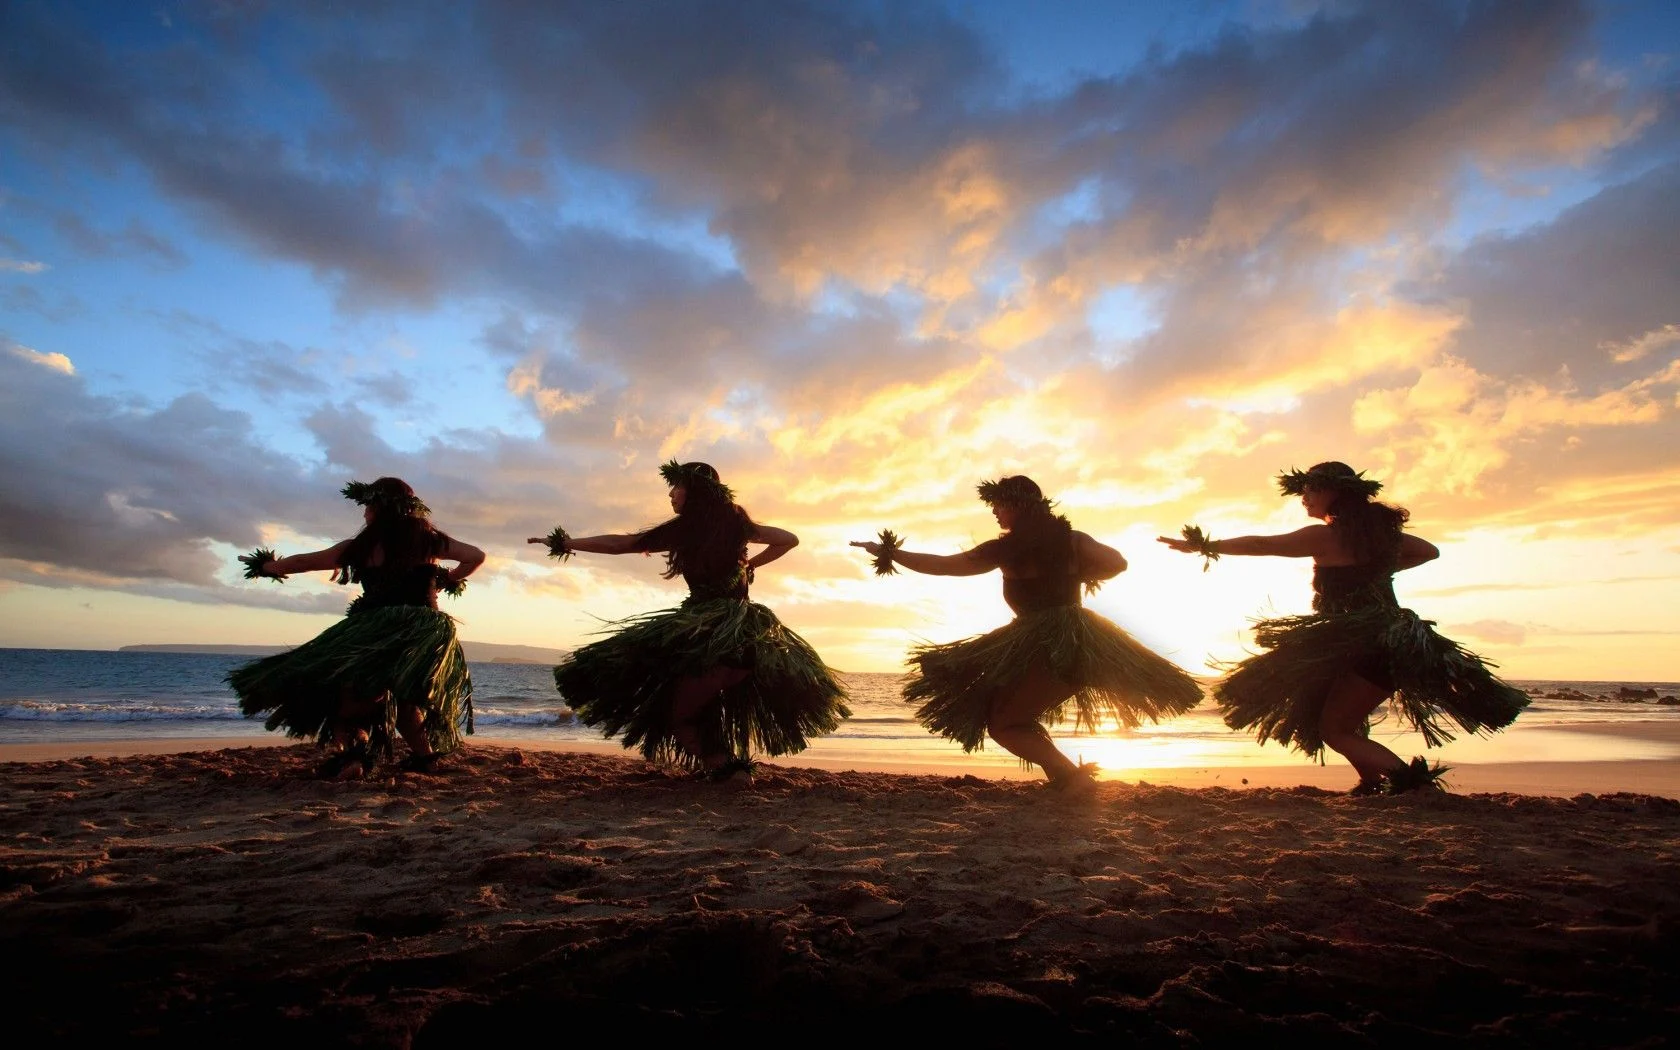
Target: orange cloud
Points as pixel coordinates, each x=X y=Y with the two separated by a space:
x=1454 y=424
x=525 y=380
x=55 y=361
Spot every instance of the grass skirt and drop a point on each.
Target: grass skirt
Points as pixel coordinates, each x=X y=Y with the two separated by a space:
x=1113 y=675
x=407 y=651
x=623 y=683
x=1281 y=693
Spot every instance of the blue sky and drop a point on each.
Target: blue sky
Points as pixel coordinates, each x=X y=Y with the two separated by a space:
x=860 y=256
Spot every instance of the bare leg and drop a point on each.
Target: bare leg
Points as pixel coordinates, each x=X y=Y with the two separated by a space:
x=349 y=734
x=411 y=726
x=1342 y=725
x=1014 y=722
x=689 y=699
x=352 y=718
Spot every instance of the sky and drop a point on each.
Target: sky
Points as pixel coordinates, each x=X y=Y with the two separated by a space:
x=860 y=257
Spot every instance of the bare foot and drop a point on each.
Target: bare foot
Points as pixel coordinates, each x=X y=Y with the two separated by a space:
x=344 y=765
x=733 y=771
x=1079 y=783
x=352 y=762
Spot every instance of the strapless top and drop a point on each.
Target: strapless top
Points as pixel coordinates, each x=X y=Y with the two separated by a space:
x=1350 y=588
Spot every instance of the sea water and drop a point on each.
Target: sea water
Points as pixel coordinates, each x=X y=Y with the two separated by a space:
x=68 y=696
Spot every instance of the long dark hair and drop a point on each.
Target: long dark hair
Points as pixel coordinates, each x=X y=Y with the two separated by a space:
x=707 y=540
x=1368 y=530
x=399 y=531
x=1040 y=540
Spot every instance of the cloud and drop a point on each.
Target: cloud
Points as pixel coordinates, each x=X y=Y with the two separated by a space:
x=827 y=143
x=1500 y=632
x=1505 y=632
x=23 y=266
x=1454 y=425
x=136 y=239
x=834 y=250
x=1642 y=345
x=55 y=361
x=148 y=499
x=857 y=153
x=1599 y=276
x=24 y=299
x=525 y=381
x=40 y=574
x=1544 y=585
x=91 y=484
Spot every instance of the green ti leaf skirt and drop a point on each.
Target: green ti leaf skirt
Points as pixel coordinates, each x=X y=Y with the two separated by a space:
x=1436 y=683
x=1113 y=675
x=623 y=684
x=406 y=653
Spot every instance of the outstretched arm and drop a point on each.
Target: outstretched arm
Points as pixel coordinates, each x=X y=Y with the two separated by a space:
x=312 y=562
x=1310 y=542
x=777 y=542
x=968 y=563
x=610 y=543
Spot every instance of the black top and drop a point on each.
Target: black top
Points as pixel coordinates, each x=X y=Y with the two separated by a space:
x=1350 y=588
x=1047 y=590
x=713 y=553
x=1037 y=593
x=383 y=588
x=703 y=588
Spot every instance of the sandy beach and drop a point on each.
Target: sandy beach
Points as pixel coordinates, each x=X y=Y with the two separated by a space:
x=224 y=895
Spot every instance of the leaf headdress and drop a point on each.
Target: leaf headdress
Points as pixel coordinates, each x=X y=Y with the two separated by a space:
x=1016 y=489
x=692 y=476
x=370 y=495
x=1338 y=477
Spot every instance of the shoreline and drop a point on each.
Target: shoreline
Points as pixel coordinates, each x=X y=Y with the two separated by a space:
x=1561 y=779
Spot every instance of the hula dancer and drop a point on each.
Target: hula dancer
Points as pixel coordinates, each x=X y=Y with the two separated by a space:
x=392 y=666
x=706 y=683
x=1323 y=675
x=1015 y=680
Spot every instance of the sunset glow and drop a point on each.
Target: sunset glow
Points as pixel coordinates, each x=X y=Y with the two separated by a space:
x=860 y=258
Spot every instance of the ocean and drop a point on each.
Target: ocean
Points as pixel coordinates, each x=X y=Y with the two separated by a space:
x=69 y=696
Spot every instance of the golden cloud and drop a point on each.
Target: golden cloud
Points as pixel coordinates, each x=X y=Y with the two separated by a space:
x=1642 y=345
x=55 y=361
x=1455 y=424
x=525 y=380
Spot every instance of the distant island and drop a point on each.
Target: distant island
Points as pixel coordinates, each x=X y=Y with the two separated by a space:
x=477 y=652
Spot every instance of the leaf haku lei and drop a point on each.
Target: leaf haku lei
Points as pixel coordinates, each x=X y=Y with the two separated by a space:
x=679 y=475
x=557 y=541
x=255 y=561
x=1013 y=490
x=890 y=545
x=366 y=495
x=1293 y=482
x=1203 y=544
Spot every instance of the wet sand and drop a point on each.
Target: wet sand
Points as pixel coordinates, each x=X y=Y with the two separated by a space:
x=1564 y=779
x=224 y=895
